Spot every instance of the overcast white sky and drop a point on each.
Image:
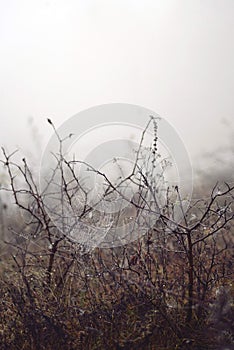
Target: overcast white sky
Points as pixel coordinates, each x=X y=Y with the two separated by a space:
x=59 y=57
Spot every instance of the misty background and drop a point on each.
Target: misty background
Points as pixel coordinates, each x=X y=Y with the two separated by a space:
x=174 y=57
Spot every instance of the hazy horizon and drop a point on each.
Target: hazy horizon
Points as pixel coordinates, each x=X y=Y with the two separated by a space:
x=173 y=57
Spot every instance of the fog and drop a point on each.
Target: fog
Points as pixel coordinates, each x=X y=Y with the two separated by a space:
x=61 y=57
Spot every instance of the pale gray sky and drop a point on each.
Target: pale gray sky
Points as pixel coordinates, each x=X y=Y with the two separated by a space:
x=59 y=57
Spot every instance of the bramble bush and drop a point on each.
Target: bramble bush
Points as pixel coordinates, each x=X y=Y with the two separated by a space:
x=171 y=288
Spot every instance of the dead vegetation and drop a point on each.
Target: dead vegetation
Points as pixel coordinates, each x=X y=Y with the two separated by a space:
x=170 y=289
